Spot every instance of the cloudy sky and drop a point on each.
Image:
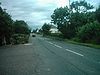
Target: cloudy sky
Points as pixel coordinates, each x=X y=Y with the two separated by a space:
x=35 y=12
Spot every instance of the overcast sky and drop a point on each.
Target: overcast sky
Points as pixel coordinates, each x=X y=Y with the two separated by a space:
x=35 y=12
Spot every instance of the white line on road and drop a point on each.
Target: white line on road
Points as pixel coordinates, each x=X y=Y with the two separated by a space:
x=74 y=52
x=66 y=49
x=28 y=44
x=50 y=43
x=57 y=46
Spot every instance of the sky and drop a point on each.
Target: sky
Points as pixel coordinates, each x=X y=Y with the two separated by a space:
x=36 y=12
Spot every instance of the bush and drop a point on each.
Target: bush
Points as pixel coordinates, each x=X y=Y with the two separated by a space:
x=20 y=38
x=90 y=33
x=98 y=14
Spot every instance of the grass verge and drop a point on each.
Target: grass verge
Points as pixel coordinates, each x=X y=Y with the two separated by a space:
x=84 y=44
x=74 y=42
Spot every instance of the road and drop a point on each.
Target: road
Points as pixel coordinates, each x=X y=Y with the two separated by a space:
x=44 y=56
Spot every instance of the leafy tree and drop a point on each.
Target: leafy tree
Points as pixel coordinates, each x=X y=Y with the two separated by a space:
x=90 y=32
x=79 y=19
x=8 y=27
x=90 y=17
x=5 y=27
x=21 y=27
x=60 y=17
x=98 y=14
x=35 y=30
x=81 y=6
x=80 y=15
x=21 y=32
x=40 y=30
x=69 y=20
x=46 y=29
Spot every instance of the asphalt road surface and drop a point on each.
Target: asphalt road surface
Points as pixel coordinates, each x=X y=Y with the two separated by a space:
x=44 y=56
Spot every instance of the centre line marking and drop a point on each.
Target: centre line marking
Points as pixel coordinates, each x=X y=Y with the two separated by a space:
x=28 y=44
x=57 y=46
x=50 y=42
x=74 y=52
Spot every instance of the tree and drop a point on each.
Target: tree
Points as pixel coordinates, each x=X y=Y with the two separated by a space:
x=46 y=29
x=90 y=32
x=60 y=17
x=81 y=6
x=80 y=15
x=5 y=27
x=69 y=20
x=21 y=27
x=35 y=30
x=8 y=27
x=98 y=14
x=79 y=19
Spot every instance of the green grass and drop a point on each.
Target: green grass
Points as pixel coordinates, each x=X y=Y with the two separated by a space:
x=73 y=42
x=84 y=44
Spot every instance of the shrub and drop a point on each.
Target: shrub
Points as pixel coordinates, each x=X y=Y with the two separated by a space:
x=20 y=38
x=90 y=32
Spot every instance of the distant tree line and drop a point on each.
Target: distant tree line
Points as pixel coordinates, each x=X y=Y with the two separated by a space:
x=79 y=22
x=8 y=27
x=46 y=29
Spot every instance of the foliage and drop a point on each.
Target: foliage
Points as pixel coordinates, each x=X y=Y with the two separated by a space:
x=34 y=30
x=90 y=32
x=81 y=6
x=19 y=38
x=98 y=14
x=78 y=23
x=80 y=15
x=8 y=27
x=40 y=31
x=60 y=17
x=5 y=27
x=46 y=29
x=69 y=20
x=21 y=27
x=21 y=32
x=79 y=19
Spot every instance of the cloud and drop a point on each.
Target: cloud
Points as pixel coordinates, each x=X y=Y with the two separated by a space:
x=34 y=12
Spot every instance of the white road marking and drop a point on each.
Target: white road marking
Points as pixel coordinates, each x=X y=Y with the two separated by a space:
x=57 y=46
x=50 y=43
x=74 y=52
x=66 y=49
x=28 y=44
